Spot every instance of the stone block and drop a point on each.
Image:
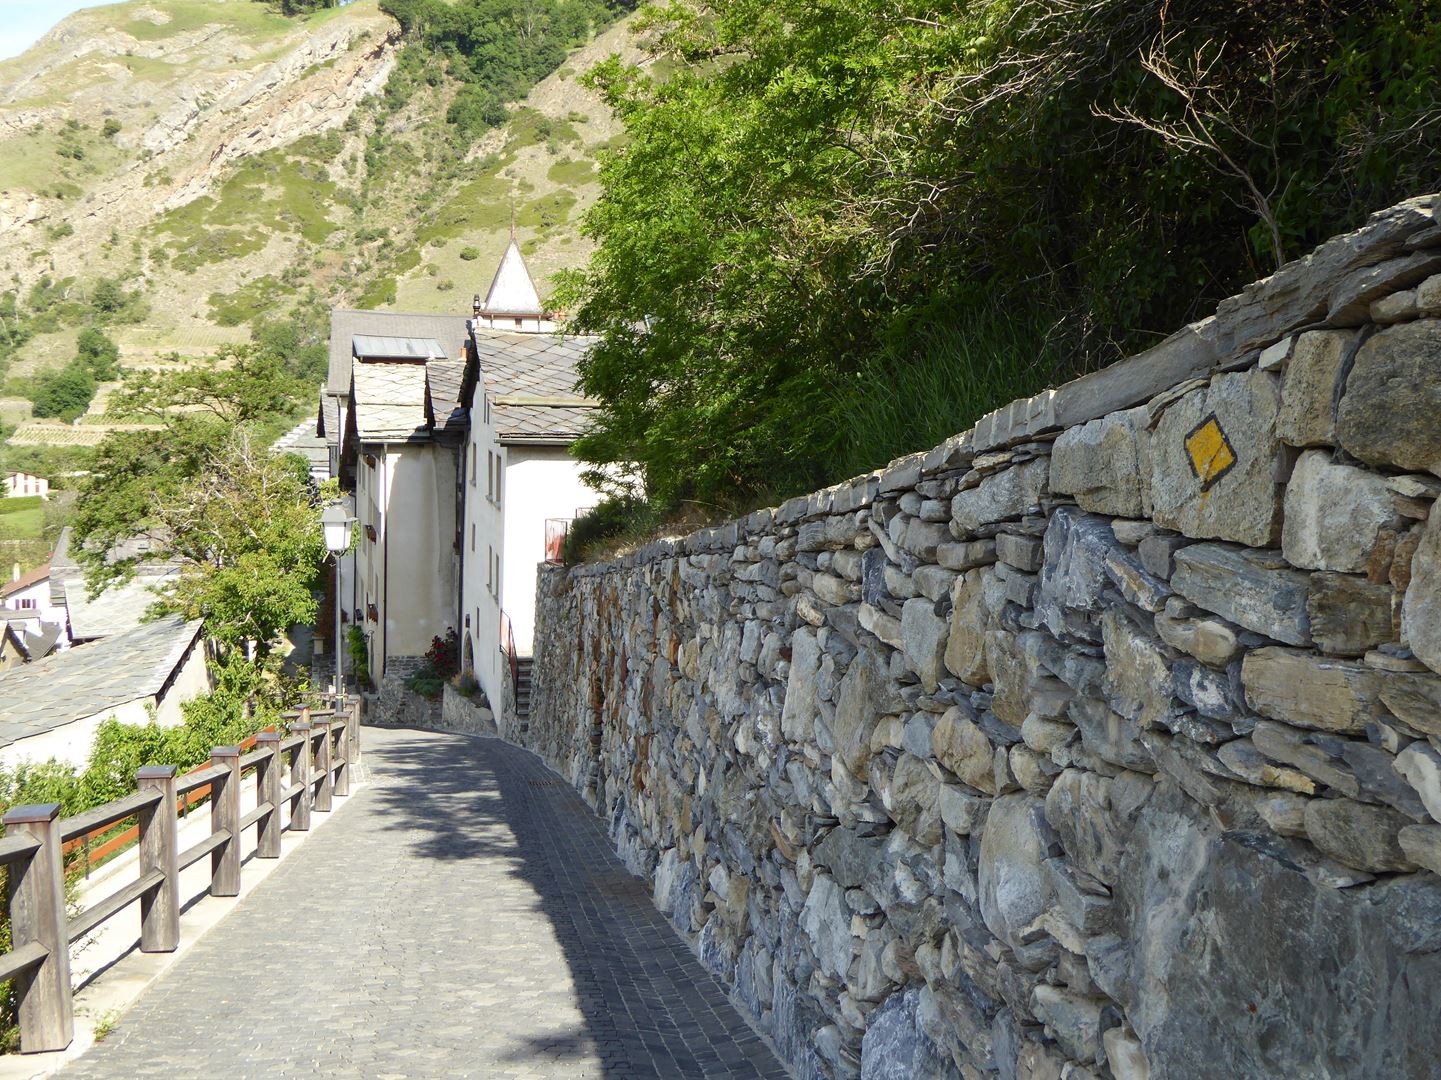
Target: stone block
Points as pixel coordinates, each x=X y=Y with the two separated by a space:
x=798 y=715
x=1022 y=552
x=1106 y=464
x=1421 y=608
x=1215 y=461
x=1415 y=699
x=923 y=640
x=1074 y=571
x=1428 y=297
x=1348 y=614
x=1307 y=416
x=1358 y=835
x=1158 y=553
x=1210 y=641
x=1014 y=886
x=1138 y=671
x=963 y=748
x=1249 y=588
x=999 y=497
x=1306 y=690
x=1333 y=514
x=1388 y=414
x=965 y=655
x=967 y=555
x=1420 y=765
x=1422 y=845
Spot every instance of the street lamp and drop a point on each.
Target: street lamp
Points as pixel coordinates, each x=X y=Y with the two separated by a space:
x=336 y=525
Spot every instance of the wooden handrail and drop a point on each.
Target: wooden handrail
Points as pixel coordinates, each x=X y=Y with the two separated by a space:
x=39 y=962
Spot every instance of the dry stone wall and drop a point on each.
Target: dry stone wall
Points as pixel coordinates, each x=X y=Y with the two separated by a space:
x=1103 y=740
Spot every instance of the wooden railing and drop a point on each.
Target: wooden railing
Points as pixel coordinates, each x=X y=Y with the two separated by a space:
x=316 y=757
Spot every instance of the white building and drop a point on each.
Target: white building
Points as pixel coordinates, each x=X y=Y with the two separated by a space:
x=400 y=456
x=19 y=484
x=520 y=481
x=453 y=434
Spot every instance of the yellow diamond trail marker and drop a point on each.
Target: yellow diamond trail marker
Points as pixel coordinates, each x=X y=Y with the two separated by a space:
x=1210 y=452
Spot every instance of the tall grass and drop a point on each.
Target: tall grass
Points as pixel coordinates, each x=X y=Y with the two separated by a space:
x=945 y=377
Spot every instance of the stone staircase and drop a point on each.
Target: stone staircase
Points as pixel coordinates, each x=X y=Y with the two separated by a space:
x=522 y=687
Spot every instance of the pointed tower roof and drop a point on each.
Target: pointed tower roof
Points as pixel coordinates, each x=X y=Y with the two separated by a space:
x=512 y=291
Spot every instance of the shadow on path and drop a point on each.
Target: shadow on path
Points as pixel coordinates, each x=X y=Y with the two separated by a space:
x=649 y=1008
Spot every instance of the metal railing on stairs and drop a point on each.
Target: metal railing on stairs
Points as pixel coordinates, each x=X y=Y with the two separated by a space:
x=317 y=755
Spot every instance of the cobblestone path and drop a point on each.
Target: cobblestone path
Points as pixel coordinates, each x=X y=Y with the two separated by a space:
x=465 y=916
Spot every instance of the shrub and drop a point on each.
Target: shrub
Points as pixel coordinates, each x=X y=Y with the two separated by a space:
x=470 y=254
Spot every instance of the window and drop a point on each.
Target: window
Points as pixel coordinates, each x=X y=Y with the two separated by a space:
x=490 y=570
x=489 y=475
x=472 y=464
x=472 y=536
x=25 y=605
x=519 y=323
x=499 y=474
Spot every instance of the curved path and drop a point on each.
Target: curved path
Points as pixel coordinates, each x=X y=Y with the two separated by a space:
x=465 y=917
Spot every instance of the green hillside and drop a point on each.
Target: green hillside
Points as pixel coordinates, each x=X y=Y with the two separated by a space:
x=177 y=172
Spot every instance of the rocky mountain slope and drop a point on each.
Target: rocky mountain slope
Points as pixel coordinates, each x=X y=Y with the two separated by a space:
x=232 y=164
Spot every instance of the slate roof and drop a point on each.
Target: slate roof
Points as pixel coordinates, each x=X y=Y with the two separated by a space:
x=40 y=640
x=390 y=401
x=449 y=330
x=529 y=423
x=443 y=379
x=118 y=609
x=531 y=379
x=89 y=679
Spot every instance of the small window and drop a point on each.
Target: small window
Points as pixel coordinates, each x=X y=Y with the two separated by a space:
x=499 y=474
x=472 y=537
x=25 y=605
x=519 y=323
x=472 y=464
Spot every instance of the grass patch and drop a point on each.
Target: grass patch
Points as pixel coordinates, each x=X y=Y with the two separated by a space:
x=252 y=20
x=547 y=212
x=952 y=375
x=253 y=299
x=570 y=173
x=268 y=195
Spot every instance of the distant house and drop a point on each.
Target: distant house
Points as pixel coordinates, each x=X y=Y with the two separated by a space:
x=53 y=706
x=27 y=605
x=19 y=484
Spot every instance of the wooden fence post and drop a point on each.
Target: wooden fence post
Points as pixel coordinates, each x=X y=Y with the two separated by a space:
x=269 y=787
x=300 y=775
x=353 y=733
x=225 y=814
x=37 y=915
x=160 y=907
x=342 y=748
x=323 y=763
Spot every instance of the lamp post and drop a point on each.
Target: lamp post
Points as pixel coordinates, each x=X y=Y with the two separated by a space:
x=336 y=524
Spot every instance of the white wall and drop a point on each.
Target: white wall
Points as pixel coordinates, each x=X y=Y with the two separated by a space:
x=540 y=482
x=481 y=540
x=410 y=571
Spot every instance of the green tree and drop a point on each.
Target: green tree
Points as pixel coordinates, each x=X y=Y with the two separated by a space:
x=64 y=394
x=245 y=532
x=810 y=192
x=98 y=354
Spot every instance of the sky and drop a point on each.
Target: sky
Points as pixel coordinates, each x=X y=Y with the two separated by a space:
x=22 y=22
